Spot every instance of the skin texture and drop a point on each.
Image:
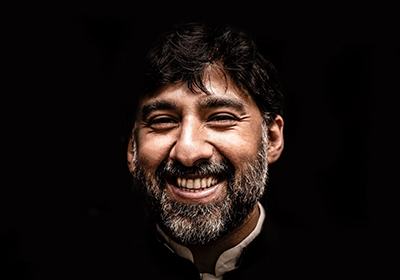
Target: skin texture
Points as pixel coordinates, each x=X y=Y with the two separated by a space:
x=177 y=125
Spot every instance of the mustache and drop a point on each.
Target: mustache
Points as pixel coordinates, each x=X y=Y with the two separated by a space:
x=200 y=169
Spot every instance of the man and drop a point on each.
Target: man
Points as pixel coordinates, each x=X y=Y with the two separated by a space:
x=208 y=124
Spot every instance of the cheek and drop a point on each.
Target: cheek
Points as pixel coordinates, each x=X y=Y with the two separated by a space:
x=152 y=150
x=238 y=146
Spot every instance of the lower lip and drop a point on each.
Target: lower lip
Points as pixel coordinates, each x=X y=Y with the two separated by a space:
x=199 y=196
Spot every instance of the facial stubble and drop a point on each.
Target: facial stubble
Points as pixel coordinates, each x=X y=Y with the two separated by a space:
x=202 y=223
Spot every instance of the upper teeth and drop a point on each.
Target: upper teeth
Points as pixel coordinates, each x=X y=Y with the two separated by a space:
x=198 y=183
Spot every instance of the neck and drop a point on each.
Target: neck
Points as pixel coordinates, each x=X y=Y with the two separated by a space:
x=206 y=256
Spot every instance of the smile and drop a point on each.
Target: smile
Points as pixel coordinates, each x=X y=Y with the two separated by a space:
x=196 y=189
x=194 y=184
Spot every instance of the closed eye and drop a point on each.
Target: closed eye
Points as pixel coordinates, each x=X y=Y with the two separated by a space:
x=222 y=120
x=162 y=123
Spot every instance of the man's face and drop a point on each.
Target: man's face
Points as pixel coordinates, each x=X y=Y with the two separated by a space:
x=201 y=158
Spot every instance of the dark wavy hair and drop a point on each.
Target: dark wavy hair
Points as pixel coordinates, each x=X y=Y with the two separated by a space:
x=184 y=53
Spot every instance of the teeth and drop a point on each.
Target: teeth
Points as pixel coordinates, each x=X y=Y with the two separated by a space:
x=203 y=183
x=198 y=183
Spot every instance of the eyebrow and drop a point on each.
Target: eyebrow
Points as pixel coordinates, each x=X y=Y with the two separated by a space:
x=147 y=109
x=217 y=102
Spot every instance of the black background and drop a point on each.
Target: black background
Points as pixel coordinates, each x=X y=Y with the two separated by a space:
x=68 y=200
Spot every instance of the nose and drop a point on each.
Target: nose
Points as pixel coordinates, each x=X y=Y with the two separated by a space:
x=191 y=144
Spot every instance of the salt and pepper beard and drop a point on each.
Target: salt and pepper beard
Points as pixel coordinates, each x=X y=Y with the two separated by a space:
x=201 y=223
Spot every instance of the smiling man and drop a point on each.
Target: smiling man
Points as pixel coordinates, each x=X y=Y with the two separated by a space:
x=207 y=126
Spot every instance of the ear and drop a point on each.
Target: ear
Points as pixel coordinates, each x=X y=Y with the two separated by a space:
x=131 y=153
x=275 y=139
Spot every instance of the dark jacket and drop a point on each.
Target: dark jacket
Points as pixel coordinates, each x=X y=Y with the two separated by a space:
x=265 y=258
x=127 y=247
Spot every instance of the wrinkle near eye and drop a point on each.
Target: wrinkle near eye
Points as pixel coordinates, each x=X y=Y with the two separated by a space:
x=245 y=118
